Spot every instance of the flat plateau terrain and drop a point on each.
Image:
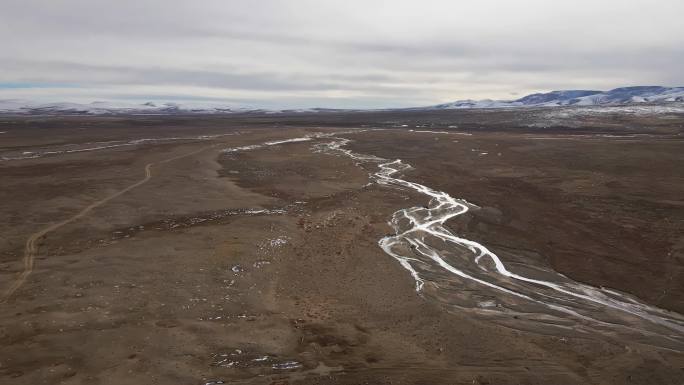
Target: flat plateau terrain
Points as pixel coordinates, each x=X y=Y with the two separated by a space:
x=247 y=249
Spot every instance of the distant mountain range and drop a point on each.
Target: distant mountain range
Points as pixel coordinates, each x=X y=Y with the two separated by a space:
x=617 y=97
x=108 y=108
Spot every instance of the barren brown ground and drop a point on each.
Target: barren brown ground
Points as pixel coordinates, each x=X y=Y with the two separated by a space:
x=183 y=280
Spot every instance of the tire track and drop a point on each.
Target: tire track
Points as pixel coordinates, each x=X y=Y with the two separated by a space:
x=31 y=248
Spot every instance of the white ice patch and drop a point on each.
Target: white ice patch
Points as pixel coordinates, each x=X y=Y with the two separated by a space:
x=287 y=365
x=486 y=304
x=431 y=132
x=242 y=148
x=271 y=143
x=293 y=140
x=264 y=211
x=427 y=248
x=277 y=242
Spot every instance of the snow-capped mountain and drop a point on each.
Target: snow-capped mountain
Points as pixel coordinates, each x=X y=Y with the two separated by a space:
x=625 y=96
x=618 y=96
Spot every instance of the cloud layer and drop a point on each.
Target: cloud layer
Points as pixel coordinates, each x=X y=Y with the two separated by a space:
x=353 y=53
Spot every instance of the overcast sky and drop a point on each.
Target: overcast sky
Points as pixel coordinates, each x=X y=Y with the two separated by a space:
x=346 y=53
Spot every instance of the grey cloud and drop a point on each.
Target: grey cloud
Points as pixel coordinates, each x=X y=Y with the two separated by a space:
x=372 y=52
x=99 y=74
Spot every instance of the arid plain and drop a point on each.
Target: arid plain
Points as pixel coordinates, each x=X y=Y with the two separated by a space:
x=247 y=249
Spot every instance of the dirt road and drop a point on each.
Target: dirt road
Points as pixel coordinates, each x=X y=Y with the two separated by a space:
x=262 y=265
